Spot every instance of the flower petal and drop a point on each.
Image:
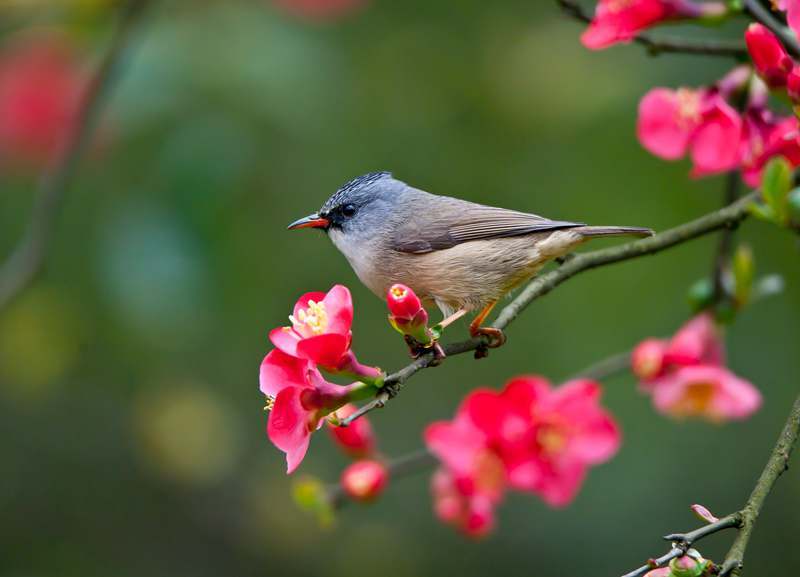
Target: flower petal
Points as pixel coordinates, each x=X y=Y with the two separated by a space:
x=339 y=306
x=659 y=126
x=286 y=339
x=279 y=370
x=326 y=349
x=287 y=426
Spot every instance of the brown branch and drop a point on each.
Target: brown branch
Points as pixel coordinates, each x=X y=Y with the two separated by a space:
x=26 y=261
x=656 y=46
x=722 y=256
x=743 y=520
x=540 y=286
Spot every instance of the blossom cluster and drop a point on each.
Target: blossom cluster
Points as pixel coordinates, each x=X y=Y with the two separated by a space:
x=298 y=396
x=686 y=375
x=530 y=437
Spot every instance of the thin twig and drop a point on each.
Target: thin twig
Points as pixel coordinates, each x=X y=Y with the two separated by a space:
x=725 y=247
x=606 y=368
x=656 y=46
x=540 y=286
x=765 y=17
x=778 y=463
x=26 y=261
x=745 y=519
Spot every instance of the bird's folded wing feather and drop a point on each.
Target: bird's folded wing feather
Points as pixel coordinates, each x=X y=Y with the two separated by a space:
x=460 y=221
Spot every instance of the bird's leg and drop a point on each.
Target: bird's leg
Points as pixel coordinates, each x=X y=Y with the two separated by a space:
x=496 y=337
x=452 y=318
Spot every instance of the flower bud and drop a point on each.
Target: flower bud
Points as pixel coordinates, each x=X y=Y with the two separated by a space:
x=770 y=59
x=357 y=439
x=688 y=566
x=647 y=359
x=704 y=514
x=365 y=480
x=407 y=314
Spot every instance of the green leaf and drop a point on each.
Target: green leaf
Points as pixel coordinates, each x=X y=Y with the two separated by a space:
x=310 y=495
x=744 y=270
x=775 y=186
x=762 y=211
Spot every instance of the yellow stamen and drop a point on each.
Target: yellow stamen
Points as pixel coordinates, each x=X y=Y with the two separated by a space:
x=688 y=106
x=270 y=403
x=398 y=292
x=313 y=319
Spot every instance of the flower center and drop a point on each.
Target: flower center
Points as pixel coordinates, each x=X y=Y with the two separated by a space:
x=688 y=112
x=551 y=439
x=398 y=292
x=312 y=320
x=269 y=403
x=696 y=400
x=490 y=472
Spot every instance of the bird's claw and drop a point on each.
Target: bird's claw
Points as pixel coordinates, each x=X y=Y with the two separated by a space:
x=417 y=349
x=495 y=338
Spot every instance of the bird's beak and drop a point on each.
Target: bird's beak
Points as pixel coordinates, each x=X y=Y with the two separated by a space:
x=310 y=221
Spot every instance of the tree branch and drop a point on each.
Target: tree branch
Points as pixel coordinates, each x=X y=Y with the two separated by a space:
x=540 y=286
x=656 y=46
x=743 y=520
x=725 y=247
x=765 y=17
x=26 y=260
x=778 y=463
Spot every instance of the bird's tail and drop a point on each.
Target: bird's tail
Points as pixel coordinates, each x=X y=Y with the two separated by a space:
x=592 y=231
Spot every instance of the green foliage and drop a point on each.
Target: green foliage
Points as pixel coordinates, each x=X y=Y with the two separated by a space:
x=775 y=186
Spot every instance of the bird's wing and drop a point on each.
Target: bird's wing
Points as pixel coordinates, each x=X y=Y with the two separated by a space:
x=454 y=221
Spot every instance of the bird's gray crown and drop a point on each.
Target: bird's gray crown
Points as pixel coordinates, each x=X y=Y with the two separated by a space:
x=353 y=188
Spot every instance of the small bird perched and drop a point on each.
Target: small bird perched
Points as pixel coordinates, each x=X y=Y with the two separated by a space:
x=461 y=255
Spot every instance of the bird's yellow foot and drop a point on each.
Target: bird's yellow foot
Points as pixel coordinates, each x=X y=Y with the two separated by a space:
x=496 y=338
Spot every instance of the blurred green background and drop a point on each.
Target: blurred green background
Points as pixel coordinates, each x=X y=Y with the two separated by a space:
x=131 y=425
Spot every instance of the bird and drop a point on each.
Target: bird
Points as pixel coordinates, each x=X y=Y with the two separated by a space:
x=459 y=255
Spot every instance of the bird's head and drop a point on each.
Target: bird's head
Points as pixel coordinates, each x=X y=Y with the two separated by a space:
x=357 y=208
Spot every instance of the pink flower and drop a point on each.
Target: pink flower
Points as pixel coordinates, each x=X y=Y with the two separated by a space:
x=357 y=439
x=764 y=137
x=700 y=122
x=792 y=9
x=647 y=359
x=770 y=59
x=299 y=398
x=547 y=437
x=621 y=20
x=707 y=391
x=793 y=85
x=320 y=332
x=320 y=329
x=407 y=315
x=365 y=480
x=40 y=88
x=471 y=514
x=320 y=10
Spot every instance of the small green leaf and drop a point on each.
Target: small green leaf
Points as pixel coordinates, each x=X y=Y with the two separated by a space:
x=701 y=295
x=762 y=211
x=310 y=495
x=775 y=186
x=744 y=271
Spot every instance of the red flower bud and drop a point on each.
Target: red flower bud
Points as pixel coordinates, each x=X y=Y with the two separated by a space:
x=365 y=480
x=403 y=303
x=647 y=360
x=770 y=59
x=357 y=439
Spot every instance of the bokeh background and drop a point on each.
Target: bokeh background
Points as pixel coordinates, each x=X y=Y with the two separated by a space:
x=131 y=427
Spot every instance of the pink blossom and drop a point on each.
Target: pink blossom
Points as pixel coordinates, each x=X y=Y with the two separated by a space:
x=472 y=514
x=547 y=437
x=770 y=58
x=40 y=88
x=320 y=10
x=766 y=136
x=792 y=9
x=299 y=398
x=706 y=391
x=621 y=20
x=357 y=439
x=320 y=332
x=700 y=122
x=365 y=480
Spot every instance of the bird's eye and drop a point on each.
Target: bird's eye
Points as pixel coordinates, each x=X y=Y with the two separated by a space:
x=348 y=210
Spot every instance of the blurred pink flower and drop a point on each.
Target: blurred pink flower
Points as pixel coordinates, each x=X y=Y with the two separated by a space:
x=299 y=398
x=767 y=136
x=40 y=88
x=472 y=514
x=320 y=10
x=364 y=480
x=686 y=375
x=792 y=9
x=771 y=61
x=700 y=122
x=357 y=439
x=707 y=391
x=621 y=20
